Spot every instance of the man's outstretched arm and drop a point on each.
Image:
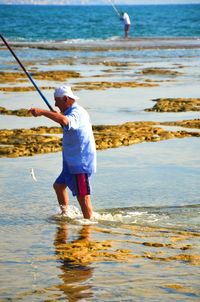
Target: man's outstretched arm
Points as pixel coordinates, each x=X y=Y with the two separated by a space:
x=53 y=115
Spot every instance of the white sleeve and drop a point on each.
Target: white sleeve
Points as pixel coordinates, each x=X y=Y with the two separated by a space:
x=74 y=120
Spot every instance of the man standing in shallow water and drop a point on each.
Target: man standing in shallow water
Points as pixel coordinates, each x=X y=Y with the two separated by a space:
x=79 y=151
x=127 y=23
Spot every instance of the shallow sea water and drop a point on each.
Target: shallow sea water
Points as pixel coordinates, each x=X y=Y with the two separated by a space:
x=145 y=197
x=147 y=185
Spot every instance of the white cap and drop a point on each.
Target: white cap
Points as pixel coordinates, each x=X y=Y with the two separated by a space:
x=65 y=90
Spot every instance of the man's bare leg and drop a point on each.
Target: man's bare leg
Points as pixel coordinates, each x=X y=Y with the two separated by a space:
x=86 y=206
x=126 y=34
x=62 y=196
x=126 y=31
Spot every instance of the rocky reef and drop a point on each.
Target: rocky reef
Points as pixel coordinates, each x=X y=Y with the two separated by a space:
x=169 y=245
x=159 y=71
x=95 y=85
x=54 y=75
x=187 y=123
x=28 y=142
x=105 y=85
x=17 y=112
x=18 y=77
x=175 y=105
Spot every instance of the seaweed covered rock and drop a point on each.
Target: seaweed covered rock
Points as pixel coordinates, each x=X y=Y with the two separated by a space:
x=175 y=105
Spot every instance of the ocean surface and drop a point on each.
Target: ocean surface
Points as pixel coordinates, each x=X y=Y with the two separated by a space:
x=54 y=23
x=145 y=196
x=161 y=31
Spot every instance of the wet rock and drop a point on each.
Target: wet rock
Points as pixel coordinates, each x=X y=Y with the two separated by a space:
x=84 y=252
x=175 y=105
x=11 y=77
x=55 y=75
x=187 y=123
x=160 y=71
x=183 y=289
x=193 y=259
x=106 y=85
x=79 y=86
x=158 y=244
x=23 y=88
x=18 y=112
x=119 y=64
x=27 y=142
x=186 y=247
x=16 y=143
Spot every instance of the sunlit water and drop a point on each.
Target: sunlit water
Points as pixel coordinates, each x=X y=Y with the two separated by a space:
x=46 y=23
x=142 y=194
x=151 y=184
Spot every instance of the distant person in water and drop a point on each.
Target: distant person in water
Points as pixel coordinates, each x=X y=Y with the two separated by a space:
x=127 y=23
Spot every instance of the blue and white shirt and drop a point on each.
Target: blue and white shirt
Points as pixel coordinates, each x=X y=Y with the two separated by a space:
x=79 y=150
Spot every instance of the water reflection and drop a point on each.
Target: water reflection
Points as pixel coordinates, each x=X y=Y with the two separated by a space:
x=75 y=277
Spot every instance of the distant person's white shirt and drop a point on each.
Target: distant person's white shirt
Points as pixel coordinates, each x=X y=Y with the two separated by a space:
x=126 y=19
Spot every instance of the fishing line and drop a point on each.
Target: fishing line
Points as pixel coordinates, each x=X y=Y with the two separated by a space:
x=114 y=7
x=34 y=84
x=26 y=72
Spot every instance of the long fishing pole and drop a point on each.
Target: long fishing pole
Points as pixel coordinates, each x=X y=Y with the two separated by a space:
x=26 y=72
x=114 y=7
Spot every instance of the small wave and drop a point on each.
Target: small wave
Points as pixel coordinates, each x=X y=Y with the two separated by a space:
x=181 y=217
x=114 y=38
x=78 y=41
x=129 y=217
x=110 y=216
x=73 y=216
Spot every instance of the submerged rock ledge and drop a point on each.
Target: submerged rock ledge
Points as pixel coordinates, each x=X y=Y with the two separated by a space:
x=171 y=245
x=117 y=44
x=187 y=123
x=28 y=142
x=175 y=105
x=17 y=112
x=162 y=105
x=98 y=85
x=53 y=75
x=160 y=71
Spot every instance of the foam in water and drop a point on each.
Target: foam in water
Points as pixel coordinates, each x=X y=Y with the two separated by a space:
x=74 y=215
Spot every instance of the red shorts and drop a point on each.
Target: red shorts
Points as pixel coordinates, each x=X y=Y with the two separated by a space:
x=82 y=184
x=79 y=184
